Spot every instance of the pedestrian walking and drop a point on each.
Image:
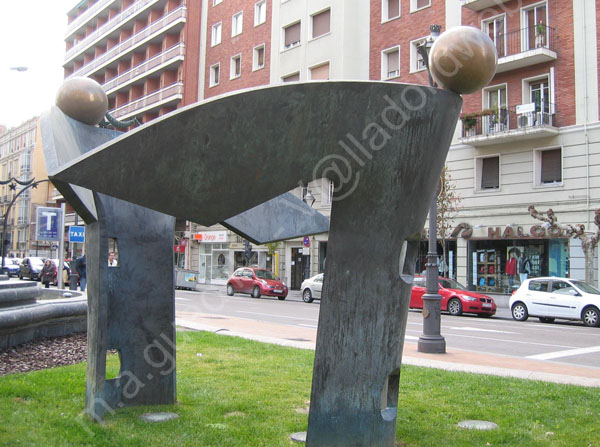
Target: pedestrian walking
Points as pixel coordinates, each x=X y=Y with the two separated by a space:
x=80 y=267
x=48 y=273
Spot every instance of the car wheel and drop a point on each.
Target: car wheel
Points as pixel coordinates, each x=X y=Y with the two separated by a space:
x=519 y=312
x=256 y=292
x=307 y=296
x=546 y=319
x=230 y=290
x=454 y=307
x=591 y=316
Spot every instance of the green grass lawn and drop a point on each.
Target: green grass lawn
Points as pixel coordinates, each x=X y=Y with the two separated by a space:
x=244 y=393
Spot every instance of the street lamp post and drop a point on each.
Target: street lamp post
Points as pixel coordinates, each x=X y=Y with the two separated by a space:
x=12 y=184
x=431 y=341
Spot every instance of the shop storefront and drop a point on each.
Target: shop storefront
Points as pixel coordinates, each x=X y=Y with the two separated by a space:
x=214 y=259
x=493 y=261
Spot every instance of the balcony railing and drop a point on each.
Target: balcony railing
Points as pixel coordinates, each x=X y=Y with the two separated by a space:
x=177 y=51
x=113 y=24
x=173 y=92
x=87 y=15
x=505 y=122
x=524 y=47
x=161 y=25
x=478 y=5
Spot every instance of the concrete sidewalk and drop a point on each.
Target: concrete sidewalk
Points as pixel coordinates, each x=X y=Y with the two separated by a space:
x=453 y=360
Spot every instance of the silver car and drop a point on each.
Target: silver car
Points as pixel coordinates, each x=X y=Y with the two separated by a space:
x=311 y=288
x=551 y=298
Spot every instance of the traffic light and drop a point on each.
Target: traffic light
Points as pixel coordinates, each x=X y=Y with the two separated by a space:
x=247 y=249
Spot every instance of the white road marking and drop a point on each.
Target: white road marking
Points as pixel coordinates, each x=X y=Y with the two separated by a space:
x=273 y=315
x=182 y=299
x=476 y=329
x=410 y=337
x=312 y=326
x=567 y=353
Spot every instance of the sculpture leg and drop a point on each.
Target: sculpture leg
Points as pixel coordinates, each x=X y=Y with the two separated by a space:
x=131 y=307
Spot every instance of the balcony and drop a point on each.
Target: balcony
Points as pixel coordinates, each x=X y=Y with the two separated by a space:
x=478 y=5
x=525 y=47
x=87 y=15
x=156 y=63
x=158 y=27
x=503 y=126
x=112 y=25
x=170 y=95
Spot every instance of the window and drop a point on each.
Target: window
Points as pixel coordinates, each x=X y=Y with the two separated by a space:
x=215 y=72
x=258 y=58
x=549 y=166
x=535 y=22
x=495 y=28
x=294 y=77
x=327 y=190
x=216 y=34
x=540 y=95
x=320 y=72
x=291 y=35
x=496 y=102
x=236 y=67
x=415 y=5
x=390 y=63
x=489 y=173
x=321 y=24
x=538 y=285
x=216 y=2
x=416 y=60
x=236 y=23
x=260 y=13
x=390 y=9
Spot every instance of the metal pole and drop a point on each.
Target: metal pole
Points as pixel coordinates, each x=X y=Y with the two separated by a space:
x=431 y=341
x=61 y=246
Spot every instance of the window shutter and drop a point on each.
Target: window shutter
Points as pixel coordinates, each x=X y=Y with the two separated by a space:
x=321 y=23
x=292 y=78
x=292 y=34
x=490 y=173
x=551 y=166
x=393 y=61
x=393 y=8
x=320 y=72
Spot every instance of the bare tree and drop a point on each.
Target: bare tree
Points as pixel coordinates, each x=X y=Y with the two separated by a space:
x=448 y=202
x=589 y=241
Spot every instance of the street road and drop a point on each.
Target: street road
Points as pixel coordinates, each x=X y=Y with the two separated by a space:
x=563 y=342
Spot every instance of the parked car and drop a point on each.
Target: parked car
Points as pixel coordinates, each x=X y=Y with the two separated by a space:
x=31 y=268
x=12 y=265
x=550 y=298
x=456 y=299
x=256 y=282
x=311 y=288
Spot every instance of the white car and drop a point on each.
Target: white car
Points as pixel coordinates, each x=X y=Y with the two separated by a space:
x=311 y=288
x=551 y=298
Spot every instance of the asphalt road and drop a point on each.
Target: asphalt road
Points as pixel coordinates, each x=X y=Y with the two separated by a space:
x=562 y=341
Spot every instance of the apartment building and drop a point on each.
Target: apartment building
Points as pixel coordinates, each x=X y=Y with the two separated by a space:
x=21 y=158
x=530 y=137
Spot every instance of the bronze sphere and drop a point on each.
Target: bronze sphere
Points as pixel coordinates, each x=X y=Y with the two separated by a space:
x=463 y=59
x=83 y=100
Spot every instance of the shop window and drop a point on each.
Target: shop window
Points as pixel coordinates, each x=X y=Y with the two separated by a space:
x=321 y=23
x=291 y=36
x=236 y=24
x=260 y=12
x=320 y=72
x=236 y=67
x=215 y=74
x=216 y=34
x=390 y=63
x=415 y=5
x=258 y=58
x=548 y=167
x=390 y=9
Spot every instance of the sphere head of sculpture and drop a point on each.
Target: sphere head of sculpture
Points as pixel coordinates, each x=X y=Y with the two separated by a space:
x=463 y=59
x=82 y=99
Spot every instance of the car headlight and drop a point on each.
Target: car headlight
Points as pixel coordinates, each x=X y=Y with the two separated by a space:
x=264 y=282
x=468 y=298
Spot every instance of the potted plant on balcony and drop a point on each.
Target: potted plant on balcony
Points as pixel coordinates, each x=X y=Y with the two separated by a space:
x=540 y=35
x=469 y=123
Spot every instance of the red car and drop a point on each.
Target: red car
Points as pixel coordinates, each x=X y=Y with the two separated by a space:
x=256 y=282
x=456 y=299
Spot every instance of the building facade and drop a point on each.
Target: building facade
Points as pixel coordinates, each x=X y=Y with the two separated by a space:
x=530 y=138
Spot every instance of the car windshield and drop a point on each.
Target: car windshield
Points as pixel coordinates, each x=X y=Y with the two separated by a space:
x=265 y=274
x=451 y=284
x=36 y=262
x=586 y=287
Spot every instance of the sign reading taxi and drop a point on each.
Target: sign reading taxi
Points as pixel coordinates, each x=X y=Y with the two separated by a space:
x=77 y=234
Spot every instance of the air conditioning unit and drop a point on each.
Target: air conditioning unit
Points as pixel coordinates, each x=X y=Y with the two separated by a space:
x=525 y=120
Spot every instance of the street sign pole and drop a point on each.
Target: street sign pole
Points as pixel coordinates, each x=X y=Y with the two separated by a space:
x=61 y=246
